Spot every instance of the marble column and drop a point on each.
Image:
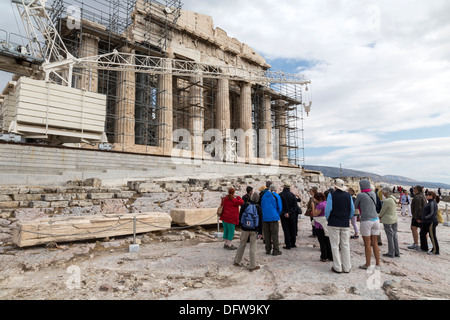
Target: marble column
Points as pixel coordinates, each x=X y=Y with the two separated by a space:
x=245 y=120
x=223 y=114
x=125 y=106
x=89 y=77
x=266 y=144
x=196 y=116
x=281 y=124
x=164 y=112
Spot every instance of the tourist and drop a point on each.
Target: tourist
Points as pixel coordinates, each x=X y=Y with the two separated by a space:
x=338 y=211
x=388 y=217
x=263 y=190
x=250 y=233
x=247 y=196
x=418 y=202
x=230 y=217
x=366 y=201
x=355 y=217
x=405 y=202
x=322 y=236
x=271 y=207
x=429 y=222
x=310 y=209
x=289 y=216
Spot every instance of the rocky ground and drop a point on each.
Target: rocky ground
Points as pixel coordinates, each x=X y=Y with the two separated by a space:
x=190 y=264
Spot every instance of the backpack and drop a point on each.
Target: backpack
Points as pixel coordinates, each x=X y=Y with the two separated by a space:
x=250 y=218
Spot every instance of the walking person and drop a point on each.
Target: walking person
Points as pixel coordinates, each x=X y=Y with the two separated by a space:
x=417 y=204
x=338 y=211
x=289 y=216
x=324 y=241
x=355 y=217
x=366 y=201
x=252 y=231
x=389 y=219
x=405 y=202
x=230 y=217
x=271 y=207
x=429 y=222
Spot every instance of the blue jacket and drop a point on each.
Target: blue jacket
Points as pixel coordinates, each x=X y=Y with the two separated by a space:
x=271 y=206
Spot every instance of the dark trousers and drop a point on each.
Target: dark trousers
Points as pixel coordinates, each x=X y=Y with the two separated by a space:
x=429 y=228
x=289 y=226
x=325 y=246
x=270 y=234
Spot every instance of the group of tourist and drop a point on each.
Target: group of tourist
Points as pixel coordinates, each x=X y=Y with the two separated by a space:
x=331 y=213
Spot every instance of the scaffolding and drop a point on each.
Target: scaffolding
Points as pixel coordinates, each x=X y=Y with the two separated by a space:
x=137 y=114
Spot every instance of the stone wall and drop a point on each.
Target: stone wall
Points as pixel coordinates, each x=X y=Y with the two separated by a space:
x=89 y=197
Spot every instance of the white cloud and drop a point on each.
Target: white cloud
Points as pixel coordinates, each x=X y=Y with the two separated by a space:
x=381 y=67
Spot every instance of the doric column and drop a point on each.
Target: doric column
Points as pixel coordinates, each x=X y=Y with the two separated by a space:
x=245 y=117
x=266 y=146
x=281 y=124
x=125 y=106
x=89 y=77
x=164 y=112
x=196 y=116
x=223 y=114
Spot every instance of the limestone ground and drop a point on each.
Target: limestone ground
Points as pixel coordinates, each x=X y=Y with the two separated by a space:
x=192 y=265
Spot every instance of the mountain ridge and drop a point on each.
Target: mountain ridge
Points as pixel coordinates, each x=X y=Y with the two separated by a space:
x=334 y=172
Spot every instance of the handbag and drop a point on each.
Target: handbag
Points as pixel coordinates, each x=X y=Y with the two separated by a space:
x=220 y=209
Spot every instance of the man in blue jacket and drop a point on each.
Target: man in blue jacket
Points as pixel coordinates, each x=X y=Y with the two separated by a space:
x=271 y=207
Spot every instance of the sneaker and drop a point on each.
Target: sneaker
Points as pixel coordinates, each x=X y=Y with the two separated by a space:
x=277 y=253
x=413 y=247
x=388 y=255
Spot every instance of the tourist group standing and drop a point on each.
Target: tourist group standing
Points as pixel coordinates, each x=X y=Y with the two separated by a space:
x=331 y=213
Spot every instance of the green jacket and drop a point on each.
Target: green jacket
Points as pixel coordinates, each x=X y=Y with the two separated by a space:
x=388 y=213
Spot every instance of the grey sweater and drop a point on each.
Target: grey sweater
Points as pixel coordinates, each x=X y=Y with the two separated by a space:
x=366 y=203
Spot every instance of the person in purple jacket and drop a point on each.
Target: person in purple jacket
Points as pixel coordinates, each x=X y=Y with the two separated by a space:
x=324 y=240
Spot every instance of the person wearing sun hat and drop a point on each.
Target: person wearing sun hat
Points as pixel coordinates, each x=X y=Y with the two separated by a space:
x=339 y=210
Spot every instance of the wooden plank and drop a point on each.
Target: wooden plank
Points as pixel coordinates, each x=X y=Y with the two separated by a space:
x=194 y=217
x=69 y=229
x=57 y=113
x=31 y=84
x=59 y=123
x=40 y=100
x=26 y=129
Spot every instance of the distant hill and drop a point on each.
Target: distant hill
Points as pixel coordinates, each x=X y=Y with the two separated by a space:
x=333 y=172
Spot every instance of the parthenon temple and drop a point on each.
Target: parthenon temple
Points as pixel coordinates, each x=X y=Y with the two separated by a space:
x=201 y=86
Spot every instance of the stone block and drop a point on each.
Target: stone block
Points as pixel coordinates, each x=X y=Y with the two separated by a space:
x=80 y=203
x=57 y=197
x=27 y=197
x=100 y=196
x=9 y=204
x=93 y=182
x=59 y=204
x=124 y=194
x=5 y=197
x=39 y=204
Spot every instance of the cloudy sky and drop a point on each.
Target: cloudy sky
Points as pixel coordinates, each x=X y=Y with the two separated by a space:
x=380 y=72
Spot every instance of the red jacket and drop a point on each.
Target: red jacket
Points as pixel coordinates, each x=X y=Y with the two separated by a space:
x=230 y=212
